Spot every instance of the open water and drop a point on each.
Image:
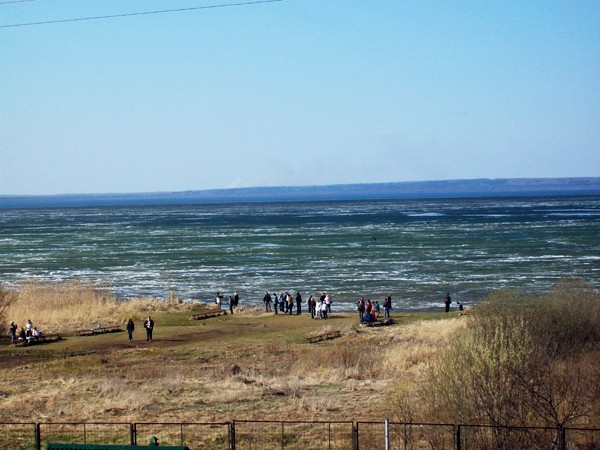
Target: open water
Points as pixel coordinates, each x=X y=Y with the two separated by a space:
x=417 y=250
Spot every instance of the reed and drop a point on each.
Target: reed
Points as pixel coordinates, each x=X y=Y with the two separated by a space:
x=56 y=307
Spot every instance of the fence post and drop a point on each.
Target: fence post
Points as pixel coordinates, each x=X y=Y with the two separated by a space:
x=355 y=436
x=387 y=434
x=457 y=440
x=132 y=434
x=38 y=437
x=282 y=437
x=232 y=435
x=562 y=438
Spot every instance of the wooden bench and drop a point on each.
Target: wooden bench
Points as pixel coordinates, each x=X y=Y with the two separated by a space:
x=95 y=331
x=38 y=339
x=324 y=336
x=208 y=314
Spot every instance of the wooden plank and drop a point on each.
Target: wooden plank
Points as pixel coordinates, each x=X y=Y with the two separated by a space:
x=95 y=331
x=85 y=332
x=208 y=314
x=324 y=336
x=380 y=323
x=38 y=340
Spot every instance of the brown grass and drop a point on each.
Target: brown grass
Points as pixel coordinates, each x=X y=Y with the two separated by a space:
x=58 y=307
x=246 y=366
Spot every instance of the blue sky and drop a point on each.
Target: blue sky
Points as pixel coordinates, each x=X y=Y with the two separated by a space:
x=297 y=92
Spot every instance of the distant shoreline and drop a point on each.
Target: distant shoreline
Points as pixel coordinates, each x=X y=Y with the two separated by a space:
x=484 y=188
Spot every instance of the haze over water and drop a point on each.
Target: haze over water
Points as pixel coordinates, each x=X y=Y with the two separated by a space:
x=414 y=249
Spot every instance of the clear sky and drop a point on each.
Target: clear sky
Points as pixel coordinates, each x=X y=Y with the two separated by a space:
x=297 y=92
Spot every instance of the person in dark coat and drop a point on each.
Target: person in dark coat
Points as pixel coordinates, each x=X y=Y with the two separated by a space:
x=298 y=303
x=267 y=301
x=130 y=328
x=149 y=326
x=447 y=301
x=230 y=301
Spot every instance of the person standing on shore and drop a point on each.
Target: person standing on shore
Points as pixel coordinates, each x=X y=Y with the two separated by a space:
x=313 y=306
x=276 y=302
x=130 y=328
x=387 y=306
x=218 y=300
x=230 y=303
x=360 y=306
x=282 y=301
x=236 y=299
x=376 y=309
x=298 y=303
x=267 y=301
x=447 y=301
x=149 y=326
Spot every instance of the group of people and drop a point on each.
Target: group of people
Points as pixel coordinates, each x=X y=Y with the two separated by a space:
x=319 y=308
x=448 y=302
x=232 y=301
x=287 y=303
x=24 y=334
x=148 y=326
x=369 y=311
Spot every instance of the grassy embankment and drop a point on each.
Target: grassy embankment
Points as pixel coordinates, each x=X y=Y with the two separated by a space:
x=247 y=366
x=515 y=360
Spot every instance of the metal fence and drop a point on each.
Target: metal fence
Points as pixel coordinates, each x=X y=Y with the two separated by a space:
x=297 y=435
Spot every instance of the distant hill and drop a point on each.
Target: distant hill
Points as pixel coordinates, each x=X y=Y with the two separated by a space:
x=507 y=187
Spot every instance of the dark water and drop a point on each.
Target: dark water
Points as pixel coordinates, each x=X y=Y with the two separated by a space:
x=414 y=249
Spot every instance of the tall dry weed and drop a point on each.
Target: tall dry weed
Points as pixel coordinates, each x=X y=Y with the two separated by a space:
x=68 y=305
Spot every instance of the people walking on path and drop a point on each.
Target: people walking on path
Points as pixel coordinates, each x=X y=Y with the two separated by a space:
x=130 y=328
x=149 y=326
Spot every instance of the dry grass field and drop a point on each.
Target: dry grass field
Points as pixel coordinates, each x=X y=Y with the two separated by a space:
x=249 y=365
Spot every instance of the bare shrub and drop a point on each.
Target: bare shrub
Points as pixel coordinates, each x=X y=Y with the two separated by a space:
x=522 y=360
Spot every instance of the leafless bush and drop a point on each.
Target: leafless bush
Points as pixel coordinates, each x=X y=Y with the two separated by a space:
x=522 y=360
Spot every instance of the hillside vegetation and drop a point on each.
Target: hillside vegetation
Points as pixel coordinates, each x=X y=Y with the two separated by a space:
x=515 y=359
